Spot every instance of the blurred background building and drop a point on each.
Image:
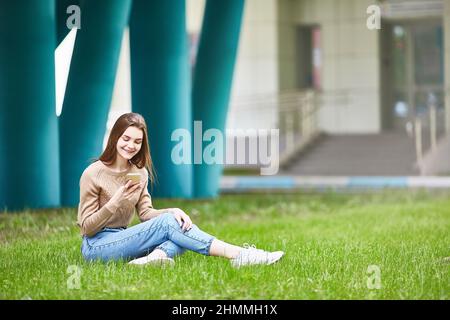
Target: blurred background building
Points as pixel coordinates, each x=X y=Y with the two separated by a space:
x=348 y=100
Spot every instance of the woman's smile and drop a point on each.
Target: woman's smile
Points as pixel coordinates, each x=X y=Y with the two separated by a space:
x=129 y=152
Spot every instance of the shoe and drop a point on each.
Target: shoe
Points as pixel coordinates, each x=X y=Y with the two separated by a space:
x=156 y=261
x=250 y=255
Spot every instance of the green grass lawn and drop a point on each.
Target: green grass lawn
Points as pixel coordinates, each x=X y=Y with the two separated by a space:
x=330 y=241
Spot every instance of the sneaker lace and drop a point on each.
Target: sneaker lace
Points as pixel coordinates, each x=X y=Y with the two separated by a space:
x=251 y=247
x=250 y=254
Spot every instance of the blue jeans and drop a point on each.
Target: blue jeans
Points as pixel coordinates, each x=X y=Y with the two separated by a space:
x=162 y=232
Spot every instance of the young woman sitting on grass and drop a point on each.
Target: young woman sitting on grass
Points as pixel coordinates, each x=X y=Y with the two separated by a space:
x=108 y=199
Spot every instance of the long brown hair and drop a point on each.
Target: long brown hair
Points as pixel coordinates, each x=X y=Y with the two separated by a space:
x=143 y=157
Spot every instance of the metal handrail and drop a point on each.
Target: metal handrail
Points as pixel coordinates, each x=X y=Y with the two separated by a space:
x=430 y=118
x=295 y=112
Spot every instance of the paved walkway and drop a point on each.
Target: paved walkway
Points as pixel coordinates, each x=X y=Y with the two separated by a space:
x=234 y=184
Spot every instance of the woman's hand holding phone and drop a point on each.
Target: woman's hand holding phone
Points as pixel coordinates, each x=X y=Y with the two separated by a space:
x=126 y=192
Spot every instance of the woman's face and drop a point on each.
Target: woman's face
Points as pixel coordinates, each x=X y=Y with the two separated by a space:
x=130 y=143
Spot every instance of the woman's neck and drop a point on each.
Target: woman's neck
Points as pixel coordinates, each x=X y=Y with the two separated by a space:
x=120 y=164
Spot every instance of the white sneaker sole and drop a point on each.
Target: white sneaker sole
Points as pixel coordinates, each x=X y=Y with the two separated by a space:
x=278 y=258
x=169 y=262
x=278 y=255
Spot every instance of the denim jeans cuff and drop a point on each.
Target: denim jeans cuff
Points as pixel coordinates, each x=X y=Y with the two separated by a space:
x=164 y=250
x=208 y=246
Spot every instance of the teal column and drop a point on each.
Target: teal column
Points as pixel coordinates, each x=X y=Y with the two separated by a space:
x=89 y=90
x=212 y=81
x=161 y=87
x=29 y=170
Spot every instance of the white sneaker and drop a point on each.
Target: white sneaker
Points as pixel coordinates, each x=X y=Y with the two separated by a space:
x=157 y=261
x=251 y=255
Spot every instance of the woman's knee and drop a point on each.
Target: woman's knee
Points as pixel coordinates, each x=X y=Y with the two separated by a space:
x=163 y=219
x=169 y=218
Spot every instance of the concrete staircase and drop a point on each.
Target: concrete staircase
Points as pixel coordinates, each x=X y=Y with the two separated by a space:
x=384 y=154
x=438 y=162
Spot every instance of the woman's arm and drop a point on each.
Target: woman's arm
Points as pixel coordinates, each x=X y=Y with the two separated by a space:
x=144 y=207
x=91 y=219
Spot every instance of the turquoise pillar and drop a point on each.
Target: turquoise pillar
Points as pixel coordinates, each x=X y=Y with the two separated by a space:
x=89 y=90
x=29 y=170
x=161 y=87
x=212 y=81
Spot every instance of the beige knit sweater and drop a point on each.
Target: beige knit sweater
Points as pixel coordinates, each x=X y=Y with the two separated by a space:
x=98 y=183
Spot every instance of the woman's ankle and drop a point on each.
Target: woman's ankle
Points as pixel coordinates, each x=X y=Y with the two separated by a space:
x=222 y=249
x=158 y=253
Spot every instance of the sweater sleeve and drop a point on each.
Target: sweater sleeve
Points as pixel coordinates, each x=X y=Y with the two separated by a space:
x=144 y=207
x=91 y=218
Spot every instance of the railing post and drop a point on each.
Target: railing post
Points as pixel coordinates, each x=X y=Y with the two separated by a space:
x=306 y=116
x=433 y=133
x=310 y=108
x=298 y=109
x=312 y=97
x=289 y=132
x=418 y=133
x=305 y=124
x=301 y=112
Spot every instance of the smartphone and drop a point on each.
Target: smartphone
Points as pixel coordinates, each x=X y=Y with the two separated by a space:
x=134 y=177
